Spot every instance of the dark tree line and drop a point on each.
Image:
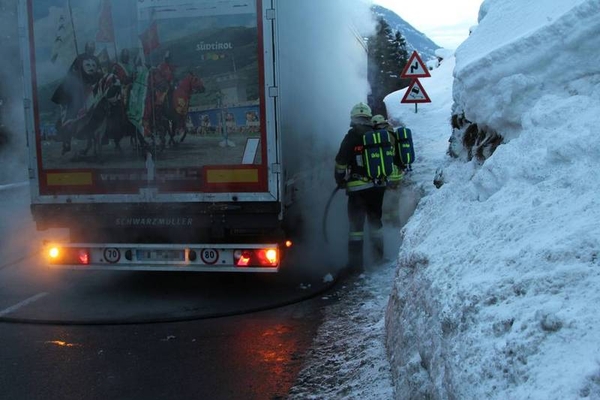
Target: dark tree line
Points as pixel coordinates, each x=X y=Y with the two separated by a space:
x=387 y=58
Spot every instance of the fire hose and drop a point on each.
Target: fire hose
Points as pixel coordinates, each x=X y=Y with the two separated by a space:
x=327 y=212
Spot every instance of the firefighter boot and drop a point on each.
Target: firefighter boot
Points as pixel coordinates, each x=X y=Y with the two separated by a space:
x=355 y=256
x=377 y=249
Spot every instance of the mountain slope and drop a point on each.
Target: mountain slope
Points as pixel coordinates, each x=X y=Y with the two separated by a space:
x=415 y=40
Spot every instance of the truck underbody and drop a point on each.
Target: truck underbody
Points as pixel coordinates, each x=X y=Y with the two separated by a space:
x=223 y=237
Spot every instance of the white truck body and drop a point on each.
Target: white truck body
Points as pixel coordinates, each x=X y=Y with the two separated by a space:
x=154 y=133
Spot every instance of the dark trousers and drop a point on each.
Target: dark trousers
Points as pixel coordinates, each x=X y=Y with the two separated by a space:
x=365 y=204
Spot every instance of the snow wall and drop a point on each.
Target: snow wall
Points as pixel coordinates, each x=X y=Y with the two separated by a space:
x=465 y=318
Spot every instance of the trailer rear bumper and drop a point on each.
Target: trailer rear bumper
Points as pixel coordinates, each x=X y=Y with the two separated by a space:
x=257 y=257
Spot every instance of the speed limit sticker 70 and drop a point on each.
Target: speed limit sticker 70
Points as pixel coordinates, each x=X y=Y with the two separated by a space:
x=112 y=255
x=209 y=256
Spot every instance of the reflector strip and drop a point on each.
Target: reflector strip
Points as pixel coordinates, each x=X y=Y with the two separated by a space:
x=69 y=179
x=246 y=175
x=243 y=261
x=84 y=257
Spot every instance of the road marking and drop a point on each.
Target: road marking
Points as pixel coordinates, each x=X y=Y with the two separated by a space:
x=15 y=185
x=22 y=304
x=14 y=262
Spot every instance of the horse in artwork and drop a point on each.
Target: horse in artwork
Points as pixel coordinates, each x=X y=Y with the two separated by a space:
x=166 y=108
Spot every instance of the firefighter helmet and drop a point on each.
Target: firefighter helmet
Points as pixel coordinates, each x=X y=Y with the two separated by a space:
x=361 y=110
x=378 y=119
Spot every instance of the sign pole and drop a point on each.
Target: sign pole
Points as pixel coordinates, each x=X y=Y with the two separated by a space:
x=416 y=108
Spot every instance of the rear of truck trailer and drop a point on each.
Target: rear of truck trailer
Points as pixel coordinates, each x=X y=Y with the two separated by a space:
x=153 y=133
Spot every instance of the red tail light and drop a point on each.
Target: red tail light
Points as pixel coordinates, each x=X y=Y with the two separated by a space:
x=244 y=259
x=68 y=255
x=256 y=257
x=84 y=257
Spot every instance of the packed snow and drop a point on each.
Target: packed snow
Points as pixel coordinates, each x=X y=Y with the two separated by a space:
x=495 y=291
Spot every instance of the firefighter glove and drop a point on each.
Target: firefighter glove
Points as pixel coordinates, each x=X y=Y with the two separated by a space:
x=340 y=176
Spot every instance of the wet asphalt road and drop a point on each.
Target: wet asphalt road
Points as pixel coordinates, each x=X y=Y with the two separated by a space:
x=252 y=356
x=122 y=335
x=104 y=335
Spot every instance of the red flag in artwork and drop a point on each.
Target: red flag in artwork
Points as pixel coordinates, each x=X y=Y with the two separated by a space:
x=149 y=38
x=106 y=31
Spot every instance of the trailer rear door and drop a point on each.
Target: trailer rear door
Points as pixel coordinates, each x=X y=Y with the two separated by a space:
x=162 y=100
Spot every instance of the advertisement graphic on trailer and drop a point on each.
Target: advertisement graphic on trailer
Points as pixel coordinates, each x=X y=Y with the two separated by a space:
x=174 y=82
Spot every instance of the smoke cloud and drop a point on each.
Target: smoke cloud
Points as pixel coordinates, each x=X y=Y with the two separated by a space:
x=322 y=74
x=13 y=149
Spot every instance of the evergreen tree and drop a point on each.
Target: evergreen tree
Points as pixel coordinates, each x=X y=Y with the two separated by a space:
x=387 y=58
x=400 y=57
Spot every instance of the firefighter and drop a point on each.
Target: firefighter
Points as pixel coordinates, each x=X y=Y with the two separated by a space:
x=391 y=202
x=365 y=195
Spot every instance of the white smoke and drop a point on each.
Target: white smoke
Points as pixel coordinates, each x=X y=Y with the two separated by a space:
x=322 y=74
x=14 y=153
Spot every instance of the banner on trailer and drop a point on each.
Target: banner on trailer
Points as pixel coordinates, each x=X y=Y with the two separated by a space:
x=156 y=92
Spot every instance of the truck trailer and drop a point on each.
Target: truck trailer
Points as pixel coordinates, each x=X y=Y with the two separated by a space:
x=160 y=135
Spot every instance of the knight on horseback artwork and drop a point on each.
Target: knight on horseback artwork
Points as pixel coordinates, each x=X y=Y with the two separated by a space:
x=143 y=82
x=87 y=98
x=166 y=103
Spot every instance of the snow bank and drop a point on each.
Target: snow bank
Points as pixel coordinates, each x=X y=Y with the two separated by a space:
x=496 y=293
x=522 y=51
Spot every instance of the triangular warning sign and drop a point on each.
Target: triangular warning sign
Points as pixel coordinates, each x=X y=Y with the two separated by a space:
x=415 y=68
x=415 y=93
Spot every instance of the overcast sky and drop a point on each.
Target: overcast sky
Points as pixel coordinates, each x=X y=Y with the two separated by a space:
x=445 y=22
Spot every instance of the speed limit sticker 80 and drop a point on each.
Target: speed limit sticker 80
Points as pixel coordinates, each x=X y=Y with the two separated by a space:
x=209 y=256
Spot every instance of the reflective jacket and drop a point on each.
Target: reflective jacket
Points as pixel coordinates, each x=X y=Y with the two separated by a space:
x=349 y=159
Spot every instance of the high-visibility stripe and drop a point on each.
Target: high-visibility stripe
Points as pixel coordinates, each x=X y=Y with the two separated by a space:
x=396 y=174
x=340 y=169
x=356 y=236
x=408 y=160
x=227 y=175
x=69 y=178
x=357 y=183
x=378 y=140
x=359 y=188
x=367 y=162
